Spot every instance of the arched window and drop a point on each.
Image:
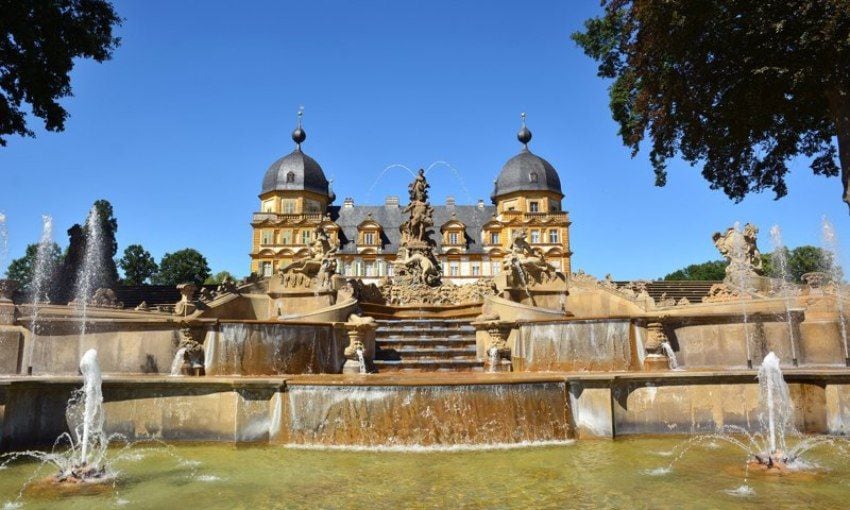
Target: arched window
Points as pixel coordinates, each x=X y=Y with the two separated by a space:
x=532 y=176
x=290 y=177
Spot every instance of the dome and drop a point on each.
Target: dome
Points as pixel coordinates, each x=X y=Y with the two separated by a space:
x=526 y=172
x=296 y=171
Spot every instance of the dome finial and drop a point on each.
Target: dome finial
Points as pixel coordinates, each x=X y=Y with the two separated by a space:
x=524 y=135
x=299 y=135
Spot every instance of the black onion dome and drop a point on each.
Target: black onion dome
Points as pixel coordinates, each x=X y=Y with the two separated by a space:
x=296 y=171
x=526 y=171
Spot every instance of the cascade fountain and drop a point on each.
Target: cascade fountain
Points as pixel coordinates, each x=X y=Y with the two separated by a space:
x=42 y=274
x=830 y=244
x=780 y=267
x=88 y=275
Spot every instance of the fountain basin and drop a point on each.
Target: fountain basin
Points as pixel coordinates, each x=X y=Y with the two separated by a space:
x=563 y=405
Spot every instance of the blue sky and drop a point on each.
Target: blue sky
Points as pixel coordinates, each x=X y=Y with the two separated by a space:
x=178 y=129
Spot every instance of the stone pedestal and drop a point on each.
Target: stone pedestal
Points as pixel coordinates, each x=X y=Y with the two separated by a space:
x=7 y=307
x=497 y=354
x=361 y=339
x=656 y=360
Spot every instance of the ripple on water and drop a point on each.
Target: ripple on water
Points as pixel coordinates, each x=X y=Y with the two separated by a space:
x=743 y=491
x=659 y=471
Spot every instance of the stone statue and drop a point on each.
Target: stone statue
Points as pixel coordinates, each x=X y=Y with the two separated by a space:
x=227 y=286
x=418 y=189
x=105 y=298
x=420 y=219
x=526 y=263
x=425 y=267
x=740 y=250
x=317 y=267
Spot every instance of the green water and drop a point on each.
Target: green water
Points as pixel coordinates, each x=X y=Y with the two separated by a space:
x=585 y=474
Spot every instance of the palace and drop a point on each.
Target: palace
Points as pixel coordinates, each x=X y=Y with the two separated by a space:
x=470 y=240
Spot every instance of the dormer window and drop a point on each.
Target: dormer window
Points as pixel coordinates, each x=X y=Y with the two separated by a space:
x=532 y=177
x=369 y=238
x=290 y=177
x=453 y=238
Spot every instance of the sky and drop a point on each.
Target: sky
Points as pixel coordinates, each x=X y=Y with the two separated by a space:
x=177 y=130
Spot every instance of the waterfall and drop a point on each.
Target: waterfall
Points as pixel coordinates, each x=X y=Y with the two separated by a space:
x=177 y=363
x=672 y=362
x=577 y=345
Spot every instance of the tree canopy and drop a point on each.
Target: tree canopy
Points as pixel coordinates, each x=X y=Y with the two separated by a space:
x=39 y=41
x=23 y=269
x=218 y=278
x=799 y=261
x=739 y=87
x=183 y=266
x=711 y=270
x=138 y=265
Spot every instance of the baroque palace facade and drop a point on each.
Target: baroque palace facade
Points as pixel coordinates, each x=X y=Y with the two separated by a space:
x=471 y=240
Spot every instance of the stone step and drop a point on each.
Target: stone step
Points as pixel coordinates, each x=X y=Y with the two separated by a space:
x=434 y=330
x=419 y=354
x=425 y=343
x=429 y=365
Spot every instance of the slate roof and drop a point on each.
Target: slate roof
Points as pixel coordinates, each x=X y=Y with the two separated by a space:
x=390 y=217
x=516 y=175
x=306 y=173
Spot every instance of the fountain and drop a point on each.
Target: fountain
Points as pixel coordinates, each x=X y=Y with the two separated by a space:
x=830 y=243
x=776 y=416
x=43 y=273
x=88 y=275
x=780 y=265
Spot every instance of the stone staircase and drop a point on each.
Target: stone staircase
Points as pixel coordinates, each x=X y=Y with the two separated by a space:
x=426 y=345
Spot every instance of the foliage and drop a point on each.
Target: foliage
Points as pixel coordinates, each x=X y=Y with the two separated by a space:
x=738 y=87
x=800 y=260
x=109 y=229
x=183 y=266
x=39 y=41
x=137 y=264
x=218 y=278
x=711 y=270
x=22 y=269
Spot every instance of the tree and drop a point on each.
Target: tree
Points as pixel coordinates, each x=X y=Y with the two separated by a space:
x=799 y=261
x=738 y=87
x=138 y=265
x=711 y=270
x=39 y=41
x=23 y=269
x=182 y=266
x=218 y=278
x=79 y=237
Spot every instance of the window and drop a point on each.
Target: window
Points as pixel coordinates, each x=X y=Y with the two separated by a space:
x=453 y=238
x=266 y=268
x=476 y=270
x=290 y=177
x=288 y=206
x=535 y=236
x=267 y=237
x=268 y=206
x=532 y=177
x=553 y=236
x=390 y=270
x=305 y=237
x=313 y=206
x=454 y=269
x=494 y=268
x=286 y=237
x=534 y=207
x=370 y=268
x=369 y=238
x=494 y=238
